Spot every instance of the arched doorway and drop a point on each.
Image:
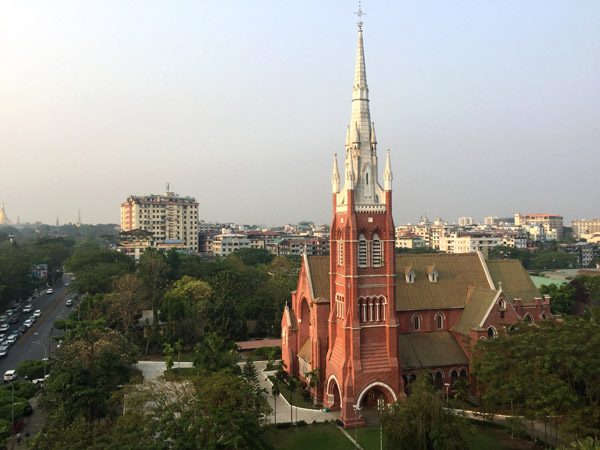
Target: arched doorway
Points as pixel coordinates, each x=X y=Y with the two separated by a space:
x=369 y=399
x=334 y=394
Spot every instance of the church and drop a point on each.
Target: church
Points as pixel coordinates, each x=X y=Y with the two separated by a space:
x=371 y=321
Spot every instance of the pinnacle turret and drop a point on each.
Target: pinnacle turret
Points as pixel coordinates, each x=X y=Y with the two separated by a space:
x=387 y=174
x=335 y=176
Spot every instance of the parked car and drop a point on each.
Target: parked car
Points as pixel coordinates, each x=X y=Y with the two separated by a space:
x=50 y=291
x=33 y=318
x=69 y=302
x=3 y=351
x=27 y=308
x=9 y=312
x=3 y=318
x=11 y=339
x=67 y=284
x=10 y=375
x=4 y=328
x=38 y=313
x=28 y=323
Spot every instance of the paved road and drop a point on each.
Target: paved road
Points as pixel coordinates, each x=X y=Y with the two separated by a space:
x=52 y=307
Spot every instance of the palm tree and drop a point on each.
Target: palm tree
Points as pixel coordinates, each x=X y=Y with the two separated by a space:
x=276 y=392
x=314 y=379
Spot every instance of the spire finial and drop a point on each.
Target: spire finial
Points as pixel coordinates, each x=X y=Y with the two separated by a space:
x=359 y=13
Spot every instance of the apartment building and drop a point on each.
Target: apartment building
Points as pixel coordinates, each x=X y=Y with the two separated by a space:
x=550 y=222
x=170 y=218
x=584 y=227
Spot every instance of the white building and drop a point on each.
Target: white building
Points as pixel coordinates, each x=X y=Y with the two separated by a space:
x=227 y=243
x=169 y=217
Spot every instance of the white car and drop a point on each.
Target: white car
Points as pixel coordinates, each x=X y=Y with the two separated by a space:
x=50 y=291
x=37 y=313
x=28 y=323
x=11 y=339
x=69 y=302
x=4 y=328
x=27 y=308
x=10 y=375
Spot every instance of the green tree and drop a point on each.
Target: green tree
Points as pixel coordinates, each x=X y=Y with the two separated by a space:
x=250 y=373
x=254 y=256
x=168 y=351
x=31 y=369
x=421 y=422
x=213 y=354
x=95 y=270
x=553 y=260
x=314 y=380
x=126 y=303
x=562 y=297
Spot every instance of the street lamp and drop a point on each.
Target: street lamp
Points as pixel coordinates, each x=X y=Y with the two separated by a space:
x=447 y=394
x=45 y=354
x=356 y=411
x=380 y=408
x=12 y=413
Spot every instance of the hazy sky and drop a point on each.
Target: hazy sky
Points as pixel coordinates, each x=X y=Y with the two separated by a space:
x=489 y=107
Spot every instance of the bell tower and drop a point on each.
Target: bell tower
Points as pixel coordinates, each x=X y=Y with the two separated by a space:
x=363 y=347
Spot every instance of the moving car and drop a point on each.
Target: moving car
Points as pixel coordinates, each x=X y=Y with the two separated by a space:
x=10 y=375
x=38 y=313
x=50 y=291
x=67 y=284
x=69 y=302
x=28 y=323
x=27 y=309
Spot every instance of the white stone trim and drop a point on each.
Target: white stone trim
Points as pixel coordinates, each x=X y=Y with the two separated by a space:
x=332 y=376
x=489 y=310
x=310 y=286
x=371 y=385
x=486 y=270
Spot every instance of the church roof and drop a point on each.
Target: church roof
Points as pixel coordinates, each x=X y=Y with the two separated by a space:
x=306 y=351
x=436 y=349
x=318 y=270
x=478 y=304
x=456 y=272
x=515 y=280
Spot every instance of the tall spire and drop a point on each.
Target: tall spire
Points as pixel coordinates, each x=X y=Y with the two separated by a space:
x=335 y=176
x=387 y=174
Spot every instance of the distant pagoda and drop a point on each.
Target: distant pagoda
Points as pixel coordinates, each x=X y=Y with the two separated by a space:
x=4 y=220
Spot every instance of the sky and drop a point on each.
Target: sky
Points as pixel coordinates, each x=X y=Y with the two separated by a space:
x=489 y=108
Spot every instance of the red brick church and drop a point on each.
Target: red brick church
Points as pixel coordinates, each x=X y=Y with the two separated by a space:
x=371 y=320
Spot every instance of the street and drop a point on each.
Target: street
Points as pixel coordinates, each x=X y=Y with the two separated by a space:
x=37 y=342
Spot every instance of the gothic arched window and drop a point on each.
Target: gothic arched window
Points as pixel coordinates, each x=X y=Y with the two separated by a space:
x=377 y=252
x=362 y=251
x=416 y=322
x=440 y=320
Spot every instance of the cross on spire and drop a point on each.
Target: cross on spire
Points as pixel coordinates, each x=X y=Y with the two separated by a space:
x=360 y=13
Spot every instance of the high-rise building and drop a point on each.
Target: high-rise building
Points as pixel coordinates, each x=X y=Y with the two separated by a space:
x=170 y=218
x=585 y=227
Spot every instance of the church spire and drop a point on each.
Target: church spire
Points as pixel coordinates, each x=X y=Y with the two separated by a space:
x=335 y=176
x=387 y=174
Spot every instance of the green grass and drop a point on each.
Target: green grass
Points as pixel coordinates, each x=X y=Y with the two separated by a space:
x=177 y=374
x=298 y=400
x=328 y=436
x=317 y=437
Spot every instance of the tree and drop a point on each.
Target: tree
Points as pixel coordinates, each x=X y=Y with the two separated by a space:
x=462 y=389
x=314 y=380
x=254 y=256
x=292 y=384
x=153 y=270
x=168 y=351
x=95 y=270
x=275 y=391
x=90 y=365
x=31 y=369
x=213 y=354
x=250 y=373
x=562 y=296
x=553 y=260
x=421 y=423
x=219 y=411
x=126 y=302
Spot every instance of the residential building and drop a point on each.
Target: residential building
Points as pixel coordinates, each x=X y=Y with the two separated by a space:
x=548 y=221
x=373 y=321
x=227 y=243
x=464 y=221
x=169 y=217
x=585 y=227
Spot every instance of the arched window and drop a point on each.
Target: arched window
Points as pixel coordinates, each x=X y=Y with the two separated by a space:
x=544 y=316
x=406 y=382
x=440 y=320
x=362 y=251
x=416 y=322
x=501 y=304
x=463 y=374
x=492 y=333
x=528 y=318
x=453 y=377
x=439 y=380
x=377 y=252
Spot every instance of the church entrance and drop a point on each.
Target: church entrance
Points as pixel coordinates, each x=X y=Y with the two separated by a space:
x=333 y=395
x=369 y=401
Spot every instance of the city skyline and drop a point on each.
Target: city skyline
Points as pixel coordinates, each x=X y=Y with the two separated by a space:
x=488 y=109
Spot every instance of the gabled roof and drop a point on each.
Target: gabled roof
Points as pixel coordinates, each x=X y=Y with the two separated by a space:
x=318 y=270
x=478 y=304
x=435 y=349
x=306 y=351
x=515 y=280
x=456 y=272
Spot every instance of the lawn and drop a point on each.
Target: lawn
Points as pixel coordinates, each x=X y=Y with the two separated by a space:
x=319 y=436
x=298 y=400
x=328 y=436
